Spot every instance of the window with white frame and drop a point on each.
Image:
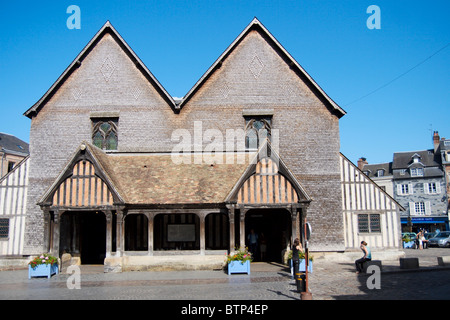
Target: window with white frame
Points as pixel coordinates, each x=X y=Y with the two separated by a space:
x=404 y=189
x=416 y=172
x=432 y=188
x=420 y=208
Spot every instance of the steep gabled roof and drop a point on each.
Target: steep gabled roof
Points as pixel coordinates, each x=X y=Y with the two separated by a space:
x=76 y=63
x=403 y=160
x=13 y=145
x=294 y=65
x=267 y=151
x=84 y=153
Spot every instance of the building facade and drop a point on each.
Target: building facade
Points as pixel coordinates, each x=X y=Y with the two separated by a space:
x=380 y=173
x=13 y=204
x=12 y=152
x=122 y=173
x=370 y=212
x=442 y=146
x=419 y=186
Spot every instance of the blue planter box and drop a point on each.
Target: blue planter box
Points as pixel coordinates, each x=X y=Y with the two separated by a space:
x=42 y=270
x=239 y=267
x=301 y=267
x=410 y=244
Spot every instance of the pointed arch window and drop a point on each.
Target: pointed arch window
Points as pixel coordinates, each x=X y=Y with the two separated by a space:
x=257 y=129
x=105 y=133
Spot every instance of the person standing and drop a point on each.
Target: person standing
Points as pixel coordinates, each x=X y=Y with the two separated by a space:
x=367 y=257
x=263 y=247
x=296 y=249
x=253 y=242
x=420 y=238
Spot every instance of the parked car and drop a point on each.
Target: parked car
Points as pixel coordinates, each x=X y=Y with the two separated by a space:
x=440 y=240
x=429 y=235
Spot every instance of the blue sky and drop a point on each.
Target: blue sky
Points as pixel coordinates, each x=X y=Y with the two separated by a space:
x=393 y=82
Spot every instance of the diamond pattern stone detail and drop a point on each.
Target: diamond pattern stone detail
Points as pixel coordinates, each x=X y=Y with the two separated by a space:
x=76 y=93
x=224 y=89
x=136 y=92
x=107 y=69
x=256 y=66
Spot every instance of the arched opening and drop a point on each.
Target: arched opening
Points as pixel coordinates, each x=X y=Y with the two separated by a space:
x=136 y=232
x=217 y=231
x=273 y=228
x=83 y=234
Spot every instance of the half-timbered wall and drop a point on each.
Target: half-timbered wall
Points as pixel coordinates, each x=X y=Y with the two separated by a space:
x=267 y=186
x=365 y=207
x=83 y=188
x=13 y=200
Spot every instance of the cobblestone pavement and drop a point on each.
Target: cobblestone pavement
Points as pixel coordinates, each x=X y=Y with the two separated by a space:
x=328 y=281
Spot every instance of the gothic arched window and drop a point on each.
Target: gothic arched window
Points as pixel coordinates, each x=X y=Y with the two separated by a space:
x=257 y=129
x=105 y=133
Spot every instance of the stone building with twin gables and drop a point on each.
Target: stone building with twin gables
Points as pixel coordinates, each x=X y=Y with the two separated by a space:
x=122 y=173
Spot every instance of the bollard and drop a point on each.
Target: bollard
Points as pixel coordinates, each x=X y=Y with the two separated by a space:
x=300 y=282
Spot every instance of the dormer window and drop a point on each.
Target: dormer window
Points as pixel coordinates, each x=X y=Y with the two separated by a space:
x=380 y=173
x=416 y=172
x=416 y=158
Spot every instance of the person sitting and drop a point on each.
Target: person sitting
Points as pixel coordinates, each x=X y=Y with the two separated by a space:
x=367 y=257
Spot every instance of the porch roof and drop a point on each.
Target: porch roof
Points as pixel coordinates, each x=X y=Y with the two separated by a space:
x=157 y=179
x=171 y=180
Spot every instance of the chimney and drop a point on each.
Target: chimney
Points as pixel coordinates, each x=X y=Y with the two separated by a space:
x=361 y=162
x=436 y=140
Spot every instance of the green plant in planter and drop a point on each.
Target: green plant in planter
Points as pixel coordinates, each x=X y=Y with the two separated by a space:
x=240 y=254
x=44 y=258
x=406 y=238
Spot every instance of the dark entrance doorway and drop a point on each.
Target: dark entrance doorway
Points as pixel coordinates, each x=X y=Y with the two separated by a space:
x=272 y=226
x=83 y=234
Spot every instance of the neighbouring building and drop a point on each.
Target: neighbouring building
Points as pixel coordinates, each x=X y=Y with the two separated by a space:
x=13 y=203
x=370 y=213
x=13 y=194
x=380 y=173
x=12 y=151
x=121 y=173
x=442 y=146
x=419 y=186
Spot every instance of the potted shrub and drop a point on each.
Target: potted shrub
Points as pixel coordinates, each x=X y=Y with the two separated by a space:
x=44 y=265
x=302 y=265
x=239 y=261
x=408 y=242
